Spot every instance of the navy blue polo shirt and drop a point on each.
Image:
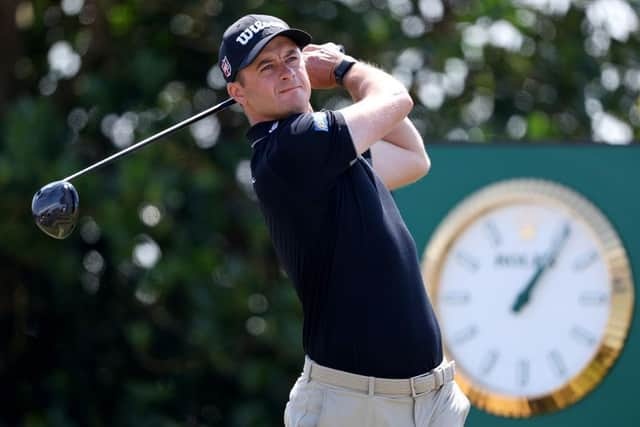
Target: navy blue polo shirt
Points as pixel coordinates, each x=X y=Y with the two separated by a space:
x=340 y=237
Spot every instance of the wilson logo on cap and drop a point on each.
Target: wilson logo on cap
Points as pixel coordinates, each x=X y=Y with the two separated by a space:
x=225 y=67
x=254 y=28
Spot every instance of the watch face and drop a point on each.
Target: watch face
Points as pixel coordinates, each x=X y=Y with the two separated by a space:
x=524 y=276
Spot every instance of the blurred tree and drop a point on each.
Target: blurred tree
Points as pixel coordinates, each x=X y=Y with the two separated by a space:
x=167 y=306
x=9 y=36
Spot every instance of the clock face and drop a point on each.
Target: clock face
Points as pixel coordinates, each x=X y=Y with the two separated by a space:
x=532 y=349
x=523 y=276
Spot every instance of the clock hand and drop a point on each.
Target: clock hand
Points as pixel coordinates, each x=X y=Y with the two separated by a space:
x=549 y=259
x=523 y=297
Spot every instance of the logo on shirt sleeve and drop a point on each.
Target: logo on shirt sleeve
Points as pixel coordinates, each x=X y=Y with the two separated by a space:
x=320 y=122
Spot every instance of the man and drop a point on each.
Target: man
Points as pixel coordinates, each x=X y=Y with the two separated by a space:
x=372 y=342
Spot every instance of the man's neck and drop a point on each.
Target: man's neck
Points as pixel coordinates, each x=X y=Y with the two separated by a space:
x=259 y=118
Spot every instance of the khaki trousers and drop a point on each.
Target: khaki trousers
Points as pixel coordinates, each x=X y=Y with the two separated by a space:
x=324 y=397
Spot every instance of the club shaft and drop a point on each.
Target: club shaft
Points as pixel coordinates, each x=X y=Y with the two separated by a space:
x=221 y=106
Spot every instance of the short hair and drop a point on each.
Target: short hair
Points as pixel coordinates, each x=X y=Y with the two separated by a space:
x=239 y=77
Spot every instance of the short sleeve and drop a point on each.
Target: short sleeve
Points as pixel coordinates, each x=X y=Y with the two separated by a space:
x=313 y=149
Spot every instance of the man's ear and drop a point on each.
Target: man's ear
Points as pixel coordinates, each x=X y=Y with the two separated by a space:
x=236 y=91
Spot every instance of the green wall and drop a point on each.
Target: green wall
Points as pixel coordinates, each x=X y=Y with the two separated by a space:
x=606 y=175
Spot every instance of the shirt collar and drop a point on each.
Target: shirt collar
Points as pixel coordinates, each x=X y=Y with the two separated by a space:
x=259 y=131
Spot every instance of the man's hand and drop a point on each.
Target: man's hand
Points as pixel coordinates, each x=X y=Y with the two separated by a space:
x=320 y=61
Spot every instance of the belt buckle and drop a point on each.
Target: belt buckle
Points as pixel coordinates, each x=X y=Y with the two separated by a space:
x=412 y=383
x=423 y=378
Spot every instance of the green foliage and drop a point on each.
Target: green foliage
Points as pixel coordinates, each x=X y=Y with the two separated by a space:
x=167 y=306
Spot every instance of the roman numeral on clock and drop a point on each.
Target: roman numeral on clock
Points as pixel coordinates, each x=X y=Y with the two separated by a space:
x=489 y=362
x=583 y=336
x=467 y=261
x=522 y=372
x=456 y=297
x=585 y=260
x=465 y=335
x=494 y=233
x=557 y=363
x=593 y=298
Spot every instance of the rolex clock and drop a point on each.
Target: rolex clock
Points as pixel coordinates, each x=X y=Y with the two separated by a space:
x=534 y=294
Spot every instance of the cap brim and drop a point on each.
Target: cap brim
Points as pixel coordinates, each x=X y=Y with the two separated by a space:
x=301 y=38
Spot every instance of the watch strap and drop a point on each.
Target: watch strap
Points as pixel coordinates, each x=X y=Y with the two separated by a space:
x=342 y=68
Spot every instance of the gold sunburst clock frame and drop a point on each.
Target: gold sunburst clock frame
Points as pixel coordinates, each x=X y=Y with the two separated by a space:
x=621 y=282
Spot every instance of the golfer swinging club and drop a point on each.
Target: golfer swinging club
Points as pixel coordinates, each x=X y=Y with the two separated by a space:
x=372 y=342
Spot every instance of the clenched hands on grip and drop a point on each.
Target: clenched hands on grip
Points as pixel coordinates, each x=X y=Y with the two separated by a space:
x=321 y=61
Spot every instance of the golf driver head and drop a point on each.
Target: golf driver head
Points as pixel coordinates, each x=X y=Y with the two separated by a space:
x=55 y=209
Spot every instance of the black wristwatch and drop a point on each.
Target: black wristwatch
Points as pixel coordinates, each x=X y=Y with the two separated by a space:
x=342 y=68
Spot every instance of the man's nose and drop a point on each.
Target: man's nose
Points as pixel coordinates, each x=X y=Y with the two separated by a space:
x=286 y=72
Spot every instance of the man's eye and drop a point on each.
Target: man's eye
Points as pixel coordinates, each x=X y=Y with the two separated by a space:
x=292 y=59
x=266 y=68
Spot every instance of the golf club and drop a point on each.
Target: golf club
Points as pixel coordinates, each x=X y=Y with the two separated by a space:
x=55 y=207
